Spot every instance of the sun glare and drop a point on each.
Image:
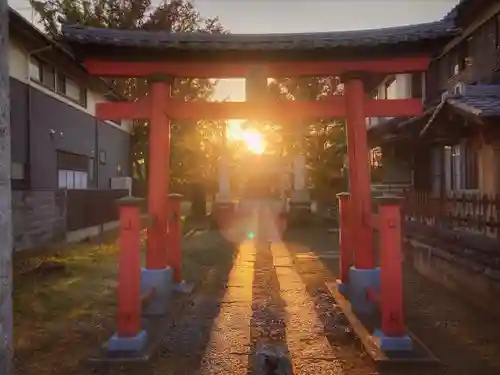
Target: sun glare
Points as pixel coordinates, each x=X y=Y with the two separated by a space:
x=254 y=141
x=252 y=138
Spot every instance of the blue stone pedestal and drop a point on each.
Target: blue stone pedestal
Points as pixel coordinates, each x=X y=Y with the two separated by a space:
x=161 y=282
x=359 y=281
x=183 y=287
x=131 y=345
x=394 y=344
x=343 y=288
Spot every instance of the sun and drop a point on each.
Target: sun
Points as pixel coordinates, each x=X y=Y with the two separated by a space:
x=252 y=138
x=254 y=141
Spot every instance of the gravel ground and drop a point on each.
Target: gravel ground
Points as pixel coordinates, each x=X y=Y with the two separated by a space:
x=464 y=339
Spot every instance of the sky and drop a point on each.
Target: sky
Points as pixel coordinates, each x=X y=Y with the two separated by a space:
x=290 y=16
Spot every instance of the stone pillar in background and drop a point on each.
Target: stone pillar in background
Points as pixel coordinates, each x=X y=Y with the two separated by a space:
x=300 y=200
x=298 y=172
x=224 y=184
x=223 y=206
x=5 y=201
x=300 y=193
x=224 y=193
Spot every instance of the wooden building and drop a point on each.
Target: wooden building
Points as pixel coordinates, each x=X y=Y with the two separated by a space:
x=453 y=149
x=447 y=160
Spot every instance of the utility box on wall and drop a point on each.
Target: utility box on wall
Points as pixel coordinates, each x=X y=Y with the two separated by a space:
x=122 y=183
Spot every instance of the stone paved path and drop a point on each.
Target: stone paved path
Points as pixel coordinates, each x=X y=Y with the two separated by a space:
x=266 y=304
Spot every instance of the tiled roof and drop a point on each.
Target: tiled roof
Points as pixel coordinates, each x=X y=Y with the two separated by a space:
x=80 y=35
x=399 y=123
x=480 y=100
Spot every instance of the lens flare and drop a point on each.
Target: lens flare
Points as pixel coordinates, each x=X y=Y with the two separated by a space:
x=253 y=139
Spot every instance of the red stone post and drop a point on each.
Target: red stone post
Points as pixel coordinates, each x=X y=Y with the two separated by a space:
x=391 y=262
x=345 y=235
x=158 y=180
x=359 y=172
x=129 y=268
x=174 y=237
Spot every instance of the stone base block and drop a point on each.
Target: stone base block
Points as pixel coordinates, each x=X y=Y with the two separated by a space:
x=161 y=282
x=183 y=287
x=394 y=344
x=359 y=281
x=132 y=345
x=343 y=288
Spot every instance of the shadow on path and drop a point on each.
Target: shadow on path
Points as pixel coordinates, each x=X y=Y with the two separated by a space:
x=267 y=325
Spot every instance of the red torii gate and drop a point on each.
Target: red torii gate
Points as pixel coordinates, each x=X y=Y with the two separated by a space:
x=164 y=56
x=159 y=108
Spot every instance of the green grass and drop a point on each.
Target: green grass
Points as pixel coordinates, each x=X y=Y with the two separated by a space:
x=63 y=313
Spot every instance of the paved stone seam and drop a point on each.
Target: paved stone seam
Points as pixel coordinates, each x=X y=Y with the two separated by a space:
x=309 y=348
x=228 y=349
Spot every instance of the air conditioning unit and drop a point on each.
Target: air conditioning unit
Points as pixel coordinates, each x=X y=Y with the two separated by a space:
x=122 y=183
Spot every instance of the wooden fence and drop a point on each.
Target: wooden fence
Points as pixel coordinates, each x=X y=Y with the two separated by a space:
x=467 y=212
x=90 y=207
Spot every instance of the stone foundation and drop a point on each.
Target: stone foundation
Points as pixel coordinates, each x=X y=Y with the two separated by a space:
x=38 y=218
x=471 y=281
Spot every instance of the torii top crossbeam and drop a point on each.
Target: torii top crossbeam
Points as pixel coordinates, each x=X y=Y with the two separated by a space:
x=389 y=50
x=138 y=53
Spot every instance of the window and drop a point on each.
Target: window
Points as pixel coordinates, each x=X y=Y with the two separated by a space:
x=417 y=80
x=102 y=156
x=467 y=53
x=454 y=64
x=17 y=171
x=461 y=57
x=68 y=179
x=389 y=88
x=461 y=167
x=72 y=171
x=71 y=89
x=42 y=73
x=35 y=70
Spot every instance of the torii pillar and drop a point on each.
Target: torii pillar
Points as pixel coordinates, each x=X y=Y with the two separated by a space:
x=157 y=274
x=363 y=273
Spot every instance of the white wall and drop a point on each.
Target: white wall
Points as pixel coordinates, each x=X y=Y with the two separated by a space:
x=19 y=69
x=399 y=89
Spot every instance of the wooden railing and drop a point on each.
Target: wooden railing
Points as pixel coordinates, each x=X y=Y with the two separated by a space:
x=470 y=212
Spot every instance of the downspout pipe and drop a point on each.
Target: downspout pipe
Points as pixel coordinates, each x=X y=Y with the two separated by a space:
x=96 y=155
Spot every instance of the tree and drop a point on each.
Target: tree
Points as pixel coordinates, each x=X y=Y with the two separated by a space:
x=323 y=142
x=193 y=147
x=5 y=200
